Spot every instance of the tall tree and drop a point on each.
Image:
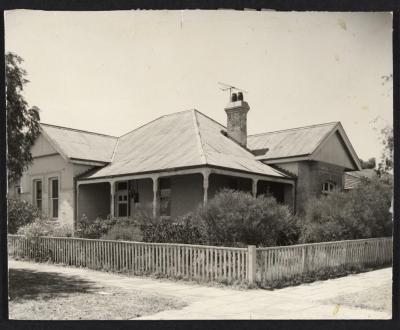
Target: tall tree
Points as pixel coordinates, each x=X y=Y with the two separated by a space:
x=370 y=163
x=22 y=121
x=386 y=164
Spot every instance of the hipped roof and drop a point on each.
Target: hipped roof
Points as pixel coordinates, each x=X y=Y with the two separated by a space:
x=180 y=140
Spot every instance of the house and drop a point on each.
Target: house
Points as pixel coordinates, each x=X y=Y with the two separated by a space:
x=179 y=161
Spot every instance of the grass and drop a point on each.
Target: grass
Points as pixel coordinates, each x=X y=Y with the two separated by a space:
x=52 y=296
x=378 y=298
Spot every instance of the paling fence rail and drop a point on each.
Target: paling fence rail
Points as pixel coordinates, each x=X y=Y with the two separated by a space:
x=205 y=263
x=291 y=262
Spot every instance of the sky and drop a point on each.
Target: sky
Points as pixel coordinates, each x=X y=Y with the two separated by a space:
x=111 y=72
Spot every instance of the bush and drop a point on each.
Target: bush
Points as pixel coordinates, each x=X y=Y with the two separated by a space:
x=360 y=213
x=236 y=218
x=184 y=231
x=43 y=227
x=20 y=213
x=94 y=228
x=100 y=227
x=39 y=227
x=124 y=233
x=61 y=231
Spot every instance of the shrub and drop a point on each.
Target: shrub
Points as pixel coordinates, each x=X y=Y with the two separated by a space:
x=39 y=227
x=238 y=218
x=61 y=231
x=360 y=213
x=43 y=227
x=20 y=213
x=184 y=231
x=94 y=228
x=100 y=227
x=124 y=233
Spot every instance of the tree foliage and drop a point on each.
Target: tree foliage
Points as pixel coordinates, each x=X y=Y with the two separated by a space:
x=386 y=164
x=22 y=121
x=20 y=213
x=370 y=163
x=360 y=213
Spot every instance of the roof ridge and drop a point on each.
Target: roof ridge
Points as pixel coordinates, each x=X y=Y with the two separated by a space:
x=78 y=130
x=198 y=136
x=203 y=114
x=115 y=150
x=166 y=115
x=295 y=128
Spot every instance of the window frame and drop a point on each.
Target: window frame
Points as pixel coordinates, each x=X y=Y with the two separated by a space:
x=331 y=186
x=35 y=193
x=52 y=198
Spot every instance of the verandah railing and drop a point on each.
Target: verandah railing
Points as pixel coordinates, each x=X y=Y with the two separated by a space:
x=205 y=263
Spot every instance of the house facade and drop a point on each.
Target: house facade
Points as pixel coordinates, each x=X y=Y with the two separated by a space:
x=179 y=161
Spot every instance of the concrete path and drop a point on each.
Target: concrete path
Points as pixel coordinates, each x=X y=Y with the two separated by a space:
x=308 y=301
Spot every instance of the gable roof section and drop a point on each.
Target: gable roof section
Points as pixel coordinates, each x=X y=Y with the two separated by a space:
x=301 y=143
x=77 y=145
x=180 y=140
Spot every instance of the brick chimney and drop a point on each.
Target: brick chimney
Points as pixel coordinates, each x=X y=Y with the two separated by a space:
x=236 y=112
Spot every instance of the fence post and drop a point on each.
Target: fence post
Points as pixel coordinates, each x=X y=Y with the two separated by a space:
x=251 y=264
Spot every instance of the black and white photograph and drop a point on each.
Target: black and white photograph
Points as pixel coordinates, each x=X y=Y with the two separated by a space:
x=199 y=165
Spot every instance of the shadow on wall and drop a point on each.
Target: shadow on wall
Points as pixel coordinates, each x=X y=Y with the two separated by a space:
x=27 y=284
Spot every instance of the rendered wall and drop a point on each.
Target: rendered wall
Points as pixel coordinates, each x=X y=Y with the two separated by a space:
x=44 y=168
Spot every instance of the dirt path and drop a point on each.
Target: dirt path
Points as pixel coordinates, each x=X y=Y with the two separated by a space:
x=342 y=298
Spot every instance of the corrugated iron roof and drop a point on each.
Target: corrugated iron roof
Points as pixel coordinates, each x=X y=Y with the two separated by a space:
x=180 y=140
x=353 y=179
x=291 y=142
x=79 y=144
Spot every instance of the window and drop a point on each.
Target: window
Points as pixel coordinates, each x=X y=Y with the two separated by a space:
x=328 y=187
x=53 y=198
x=165 y=197
x=37 y=193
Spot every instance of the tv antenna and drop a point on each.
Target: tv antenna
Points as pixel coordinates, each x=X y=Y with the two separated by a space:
x=224 y=87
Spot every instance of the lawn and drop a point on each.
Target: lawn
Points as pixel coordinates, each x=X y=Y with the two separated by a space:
x=53 y=296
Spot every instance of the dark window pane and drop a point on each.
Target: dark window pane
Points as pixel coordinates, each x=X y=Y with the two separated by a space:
x=165 y=183
x=54 y=188
x=39 y=189
x=39 y=204
x=55 y=208
x=122 y=185
x=122 y=210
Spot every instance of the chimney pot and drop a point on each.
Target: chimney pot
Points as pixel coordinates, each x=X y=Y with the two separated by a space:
x=240 y=96
x=234 y=97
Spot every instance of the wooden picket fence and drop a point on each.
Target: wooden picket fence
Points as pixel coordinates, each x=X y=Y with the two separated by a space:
x=290 y=262
x=263 y=266
x=198 y=262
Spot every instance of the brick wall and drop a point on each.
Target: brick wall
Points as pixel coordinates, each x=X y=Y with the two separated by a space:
x=311 y=176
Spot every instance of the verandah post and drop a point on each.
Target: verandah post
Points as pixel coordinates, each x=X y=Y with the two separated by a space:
x=251 y=264
x=155 y=196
